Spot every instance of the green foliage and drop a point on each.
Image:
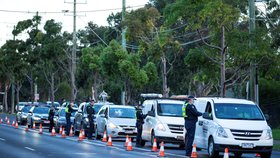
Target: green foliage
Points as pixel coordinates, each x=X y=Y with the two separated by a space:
x=64 y=91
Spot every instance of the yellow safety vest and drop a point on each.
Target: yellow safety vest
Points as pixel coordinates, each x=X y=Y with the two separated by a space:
x=184 y=107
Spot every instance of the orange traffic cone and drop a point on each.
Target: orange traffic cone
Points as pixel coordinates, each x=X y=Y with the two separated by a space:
x=13 y=124
x=53 y=132
x=129 y=145
x=80 y=136
x=41 y=129
x=83 y=133
x=161 y=150
x=104 y=137
x=257 y=155
x=16 y=126
x=194 y=154
x=26 y=128
x=63 y=135
x=8 y=122
x=34 y=126
x=126 y=141
x=71 y=131
x=60 y=129
x=155 y=149
x=226 y=153
x=110 y=143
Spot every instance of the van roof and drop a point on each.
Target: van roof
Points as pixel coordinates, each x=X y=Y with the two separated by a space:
x=226 y=100
x=171 y=101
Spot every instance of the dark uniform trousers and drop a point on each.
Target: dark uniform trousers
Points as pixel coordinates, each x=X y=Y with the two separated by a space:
x=190 y=126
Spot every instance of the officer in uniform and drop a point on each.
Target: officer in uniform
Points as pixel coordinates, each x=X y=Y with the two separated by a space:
x=68 y=111
x=139 y=125
x=190 y=115
x=90 y=115
x=50 y=118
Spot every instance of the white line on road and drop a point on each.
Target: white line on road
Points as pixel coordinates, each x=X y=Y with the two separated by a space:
x=29 y=148
x=2 y=139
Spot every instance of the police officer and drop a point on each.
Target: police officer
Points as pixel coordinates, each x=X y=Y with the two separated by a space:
x=68 y=111
x=90 y=115
x=139 y=125
x=50 y=118
x=190 y=115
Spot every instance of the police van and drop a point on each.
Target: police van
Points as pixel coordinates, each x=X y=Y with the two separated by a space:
x=164 y=120
x=236 y=124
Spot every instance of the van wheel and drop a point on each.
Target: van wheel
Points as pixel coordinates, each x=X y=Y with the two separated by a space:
x=211 y=149
x=237 y=154
x=143 y=142
x=265 y=155
x=152 y=139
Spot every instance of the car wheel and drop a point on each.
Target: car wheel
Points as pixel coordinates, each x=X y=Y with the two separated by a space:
x=97 y=136
x=211 y=149
x=237 y=154
x=152 y=139
x=75 y=129
x=265 y=155
x=143 y=142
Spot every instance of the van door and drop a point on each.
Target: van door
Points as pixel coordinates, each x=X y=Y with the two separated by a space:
x=147 y=126
x=199 y=139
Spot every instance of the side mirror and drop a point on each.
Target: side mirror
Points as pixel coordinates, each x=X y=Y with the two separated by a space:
x=80 y=111
x=207 y=115
x=266 y=117
x=30 y=113
x=151 y=113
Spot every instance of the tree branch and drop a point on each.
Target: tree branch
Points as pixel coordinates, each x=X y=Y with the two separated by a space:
x=209 y=45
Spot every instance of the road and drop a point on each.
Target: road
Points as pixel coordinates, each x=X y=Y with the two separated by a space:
x=21 y=144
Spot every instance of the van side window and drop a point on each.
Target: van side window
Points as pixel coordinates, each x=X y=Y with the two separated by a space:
x=209 y=109
x=147 y=108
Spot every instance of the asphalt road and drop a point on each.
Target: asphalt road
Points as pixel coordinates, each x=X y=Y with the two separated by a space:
x=17 y=143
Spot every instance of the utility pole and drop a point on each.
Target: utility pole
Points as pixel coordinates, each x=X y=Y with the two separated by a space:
x=124 y=47
x=73 y=57
x=13 y=84
x=254 y=94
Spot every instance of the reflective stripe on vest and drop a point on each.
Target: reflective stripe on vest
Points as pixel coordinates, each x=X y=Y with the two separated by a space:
x=184 y=107
x=67 y=108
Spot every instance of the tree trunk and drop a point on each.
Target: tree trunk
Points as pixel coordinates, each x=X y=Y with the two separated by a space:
x=222 y=66
x=52 y=88
x=164 y=77
x=7 y=87
x=18 y=87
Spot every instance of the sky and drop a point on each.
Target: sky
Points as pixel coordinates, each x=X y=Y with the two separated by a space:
x=97 y=11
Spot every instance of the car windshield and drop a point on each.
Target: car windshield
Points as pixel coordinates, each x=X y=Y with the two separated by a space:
x=62 y=113
x=97 y=108
x=238 y=111
x=173 y=110
x=122 y=113
x=41 y=110
x=26 y=109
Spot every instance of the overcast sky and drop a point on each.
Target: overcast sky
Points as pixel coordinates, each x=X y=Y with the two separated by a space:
x=52 y=9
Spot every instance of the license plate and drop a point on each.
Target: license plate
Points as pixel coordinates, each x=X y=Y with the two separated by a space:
x=247 y=145
x=128 y=132
x=180 y=137
x=46 y=121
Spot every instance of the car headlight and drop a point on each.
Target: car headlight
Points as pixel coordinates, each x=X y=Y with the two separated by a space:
x=86 y=119
x=268 y=134
x=36 y=118
x=111 y=125
x=221 y=132
x=160 y=126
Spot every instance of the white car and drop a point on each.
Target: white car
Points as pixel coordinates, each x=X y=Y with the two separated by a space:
x=236 y=124
x=116 y=120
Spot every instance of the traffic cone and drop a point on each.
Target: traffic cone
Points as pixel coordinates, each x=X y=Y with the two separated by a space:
x=126 y=141
x=41 y=129
x=257 y=155
x=34 y=126
x=104 y=137
x=83 y=134
x=109 y=143
x=16 y=126
x=71 y=131
x=13 y=124
x=155 y=149
x=161 y=150
x=60 y=129
x=80 y=136
x=226 y=153
x=53 y=132
x=129 y=145
x=194 y=154
x=26 y=128
x=63 y=135
x=8 y=122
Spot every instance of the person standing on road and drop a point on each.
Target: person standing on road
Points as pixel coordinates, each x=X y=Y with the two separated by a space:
x=90 y=115
x=139 y=125
x=190 y=115
x=51 y=116
x=68 y=111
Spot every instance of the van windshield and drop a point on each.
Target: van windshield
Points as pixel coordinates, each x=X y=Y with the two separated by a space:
x=173 y=110
x=238 y=111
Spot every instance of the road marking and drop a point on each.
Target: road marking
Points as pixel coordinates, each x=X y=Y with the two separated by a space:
x=29 y=148
x=2 y=139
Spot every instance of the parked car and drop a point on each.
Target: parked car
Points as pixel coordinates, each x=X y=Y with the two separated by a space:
x=63 y=105
x=56 y=104
x=60 y=118
x=21 y=116
x=81 y=121
x=38 y=114
x=20 y=105
x=117 y=120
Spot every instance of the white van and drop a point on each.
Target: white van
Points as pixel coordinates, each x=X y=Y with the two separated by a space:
x=236 y=124
x=164 y=121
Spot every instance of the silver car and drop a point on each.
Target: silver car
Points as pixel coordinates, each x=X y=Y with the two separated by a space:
x=37 y=115
x=117 y=120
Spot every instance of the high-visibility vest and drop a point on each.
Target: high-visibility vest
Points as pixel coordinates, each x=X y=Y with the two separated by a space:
x=67 y=108
x=184 y=107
